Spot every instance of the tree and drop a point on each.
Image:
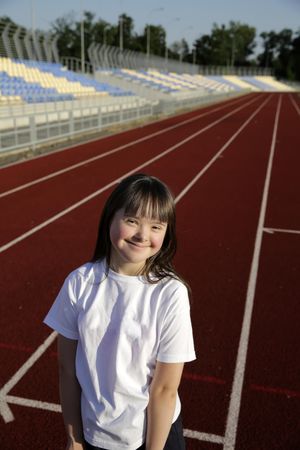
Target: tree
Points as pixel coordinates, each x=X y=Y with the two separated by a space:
x=284 y=49
x=68 y=38
x=157 y=36
x=294 y=63
x=104 y=33
x=242 y=43
x=281 y=53
x=226 y=46
x=266 y=59
x=7 y=20
x=203 y=52
x=125 y=25
x=184 y=50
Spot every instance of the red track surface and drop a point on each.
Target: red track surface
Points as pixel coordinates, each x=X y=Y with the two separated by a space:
x=239 y=247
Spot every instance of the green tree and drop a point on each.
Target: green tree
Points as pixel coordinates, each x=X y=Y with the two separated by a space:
x=104 y=33
x=7 y=20
x=203 y=51
x=125 y=24
x=241 y=42
x=226 y=46
x=294 y=63
x=175 y=49
x=157 y=39
x=266 y=58
x=281 y=53
x=284 y=49
x=184 y=50
x=68 y=38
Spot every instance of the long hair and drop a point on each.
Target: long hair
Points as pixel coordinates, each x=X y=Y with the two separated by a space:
x=145 y=196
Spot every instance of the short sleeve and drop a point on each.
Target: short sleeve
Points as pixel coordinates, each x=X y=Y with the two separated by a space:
x=62 y=317
x=176 y=340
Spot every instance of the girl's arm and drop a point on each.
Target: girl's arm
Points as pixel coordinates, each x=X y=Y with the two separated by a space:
x=161 y=405
x=70 y=392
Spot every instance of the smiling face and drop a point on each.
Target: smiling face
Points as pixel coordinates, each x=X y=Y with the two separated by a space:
x=134 y=239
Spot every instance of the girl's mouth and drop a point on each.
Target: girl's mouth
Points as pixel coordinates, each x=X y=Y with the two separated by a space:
x=136 y=244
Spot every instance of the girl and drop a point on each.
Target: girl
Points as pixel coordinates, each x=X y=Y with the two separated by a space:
x=124 y=328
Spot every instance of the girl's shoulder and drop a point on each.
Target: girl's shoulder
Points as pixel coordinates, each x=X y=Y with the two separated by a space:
x=173 y=285
x=90 y=272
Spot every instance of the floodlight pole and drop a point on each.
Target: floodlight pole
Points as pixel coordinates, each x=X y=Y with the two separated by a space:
x=176 y=19
x=148 y=30
x=121 y=33
x=104 y=33
x=32 y=18
x=82 y=38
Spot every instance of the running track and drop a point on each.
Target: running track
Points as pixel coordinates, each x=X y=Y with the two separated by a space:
x=234 y=169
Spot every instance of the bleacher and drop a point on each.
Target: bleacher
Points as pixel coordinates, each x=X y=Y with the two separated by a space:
x=25 y=81
x=239 y=82
x=266 y=83
x=172 y=83
x=34 y=82
x=41 y=102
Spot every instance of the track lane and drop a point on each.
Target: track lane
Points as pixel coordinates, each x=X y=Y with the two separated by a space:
x=273 y=402
x=173 y=180
x=219 y=269
x=285 y=184
x=54 y=195
x=219 y=192
x=32 y=251
x=35 y=168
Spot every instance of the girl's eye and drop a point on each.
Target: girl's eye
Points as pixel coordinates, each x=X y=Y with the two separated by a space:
x=131 y=221
x=156 y=227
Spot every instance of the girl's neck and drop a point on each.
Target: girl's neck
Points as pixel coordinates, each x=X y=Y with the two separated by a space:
x=127 y=269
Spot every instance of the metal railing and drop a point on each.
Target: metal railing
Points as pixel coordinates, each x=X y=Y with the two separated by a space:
x=26 y=127
x=29 y=126
x=18 y=42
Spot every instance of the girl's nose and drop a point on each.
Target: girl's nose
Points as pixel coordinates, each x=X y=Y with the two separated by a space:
x=141 y=234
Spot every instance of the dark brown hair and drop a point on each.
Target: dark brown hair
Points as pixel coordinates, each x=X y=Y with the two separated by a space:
x=142 y=195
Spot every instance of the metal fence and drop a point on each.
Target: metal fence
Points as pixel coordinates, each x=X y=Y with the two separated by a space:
x=29 y=126
x=18 y=42
x=24 y=127
x=106 y=57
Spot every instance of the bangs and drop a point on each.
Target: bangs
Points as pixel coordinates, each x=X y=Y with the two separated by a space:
x=152 y=205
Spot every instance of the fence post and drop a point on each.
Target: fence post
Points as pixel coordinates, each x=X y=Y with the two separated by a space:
x=33 y=135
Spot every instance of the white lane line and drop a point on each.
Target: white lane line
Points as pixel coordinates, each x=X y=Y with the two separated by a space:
x=110 y=152
x=236 y=393
x=33 y=403
x=280 y=230
x=54 y=407
x=295 y=104
x=4 y=408
x=206 y=437
x=112 y=183
x=217 y=155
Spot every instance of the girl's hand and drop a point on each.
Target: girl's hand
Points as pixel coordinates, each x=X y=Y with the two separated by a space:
x=71 y=445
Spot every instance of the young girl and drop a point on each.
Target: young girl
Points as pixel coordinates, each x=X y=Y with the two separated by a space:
x=124 y=328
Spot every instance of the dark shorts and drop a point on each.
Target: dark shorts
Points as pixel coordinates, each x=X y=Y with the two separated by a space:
x=175 y=439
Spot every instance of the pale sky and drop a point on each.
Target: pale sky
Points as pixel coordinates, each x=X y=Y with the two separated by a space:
x=181 y=18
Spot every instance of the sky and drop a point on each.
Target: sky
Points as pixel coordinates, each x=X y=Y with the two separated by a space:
x=187 y=19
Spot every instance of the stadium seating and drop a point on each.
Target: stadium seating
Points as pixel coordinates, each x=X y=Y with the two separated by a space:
x=237 y=81
x=172 y=83
x=267 y=83
x=34 y=82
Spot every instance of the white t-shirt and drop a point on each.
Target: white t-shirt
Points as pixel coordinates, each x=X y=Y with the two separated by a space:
x=123 y=325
